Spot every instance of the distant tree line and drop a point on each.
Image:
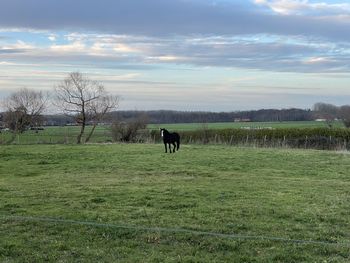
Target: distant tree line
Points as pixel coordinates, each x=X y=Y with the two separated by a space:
x=264 y=115
x=166 y=116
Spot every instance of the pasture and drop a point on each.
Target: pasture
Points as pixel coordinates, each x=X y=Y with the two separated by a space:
x=58 y=134
x=134 y=203
x=238 y=125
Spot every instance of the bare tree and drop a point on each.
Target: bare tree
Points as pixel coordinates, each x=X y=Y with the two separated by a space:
x=24 y=108
x=327 y=111
x=98 y=110
x=344 y=112
x=79 y=96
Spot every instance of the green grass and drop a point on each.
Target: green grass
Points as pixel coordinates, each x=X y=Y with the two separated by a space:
x=290 y=194
x=237 y=125
x=59 y=134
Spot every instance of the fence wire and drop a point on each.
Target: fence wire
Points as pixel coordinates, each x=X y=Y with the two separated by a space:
x=173 y=230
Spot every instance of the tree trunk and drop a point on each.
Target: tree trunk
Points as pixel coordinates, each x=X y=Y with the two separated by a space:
x=83 y=123
x=81 y=133
x=90 y=134
x=82 y=129
x=14 y=133
x=12 y=139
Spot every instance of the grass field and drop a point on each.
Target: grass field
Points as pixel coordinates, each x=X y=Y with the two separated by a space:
x=237 y=125
x=59 y=134
x=133 y=203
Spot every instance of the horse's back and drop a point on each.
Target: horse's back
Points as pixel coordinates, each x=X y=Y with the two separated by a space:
x=176 y=135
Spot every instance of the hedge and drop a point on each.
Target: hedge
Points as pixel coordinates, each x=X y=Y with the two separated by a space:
x=313 y=138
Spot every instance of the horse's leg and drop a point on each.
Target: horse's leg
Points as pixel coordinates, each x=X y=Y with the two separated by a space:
x=169 y=147
x=165 y=147
x=174 y=147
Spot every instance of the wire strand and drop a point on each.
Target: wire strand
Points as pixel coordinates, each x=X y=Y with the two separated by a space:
x=172 y=230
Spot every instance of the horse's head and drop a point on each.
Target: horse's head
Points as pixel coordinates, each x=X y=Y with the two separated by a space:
x=162 y=131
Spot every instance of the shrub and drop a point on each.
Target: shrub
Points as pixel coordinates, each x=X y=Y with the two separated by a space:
x=130 y=131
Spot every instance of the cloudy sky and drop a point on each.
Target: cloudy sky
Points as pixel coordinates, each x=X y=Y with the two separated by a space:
x=213 y=55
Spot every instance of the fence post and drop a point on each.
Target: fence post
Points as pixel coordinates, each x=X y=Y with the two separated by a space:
x=306 y=141
x=66 y=135
x=246 y=142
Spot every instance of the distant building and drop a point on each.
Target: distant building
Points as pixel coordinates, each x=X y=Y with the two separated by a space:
x=242 y=120
x=257 y=128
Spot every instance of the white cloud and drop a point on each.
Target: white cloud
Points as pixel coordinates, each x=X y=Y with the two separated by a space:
x=19 y=45
x=167 y=58
x=5 y=63
x=263 y=52
x=180 y=17
x=288 y=7
x=121 y=77
x=76 y=46
x=284 y=6
x=52 y=37
x=120 y=47
x=318 y=60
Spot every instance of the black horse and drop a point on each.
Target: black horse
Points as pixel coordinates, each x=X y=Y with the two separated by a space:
x=170 y=138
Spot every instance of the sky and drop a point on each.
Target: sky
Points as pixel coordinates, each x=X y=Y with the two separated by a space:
x=192 y=55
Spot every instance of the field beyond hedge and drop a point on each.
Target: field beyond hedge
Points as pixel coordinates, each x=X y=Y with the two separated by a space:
x=134 y=203
x=238 y=125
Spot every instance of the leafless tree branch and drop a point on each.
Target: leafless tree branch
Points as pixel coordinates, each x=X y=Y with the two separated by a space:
x=86 y=98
